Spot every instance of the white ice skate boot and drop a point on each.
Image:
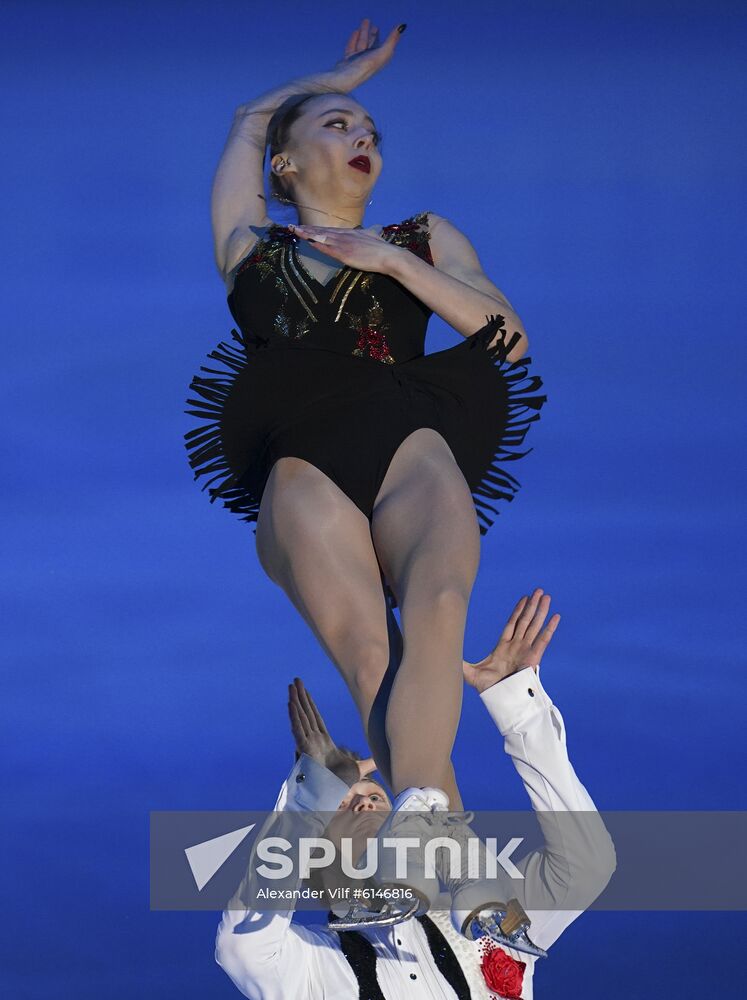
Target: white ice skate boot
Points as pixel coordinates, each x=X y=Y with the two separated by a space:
x=414 y=815
x=478 y=892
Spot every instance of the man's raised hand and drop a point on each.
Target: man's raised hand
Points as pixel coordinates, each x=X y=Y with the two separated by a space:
x=522 y=643
x=312 y=738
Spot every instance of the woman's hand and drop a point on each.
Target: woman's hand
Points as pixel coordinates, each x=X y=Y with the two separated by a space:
x=312 y=738
x=363 y=56
x=521 y=643
x=357 y=249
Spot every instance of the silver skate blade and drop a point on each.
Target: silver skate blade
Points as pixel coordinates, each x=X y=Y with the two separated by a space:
x=519 y=940
x=359 y=916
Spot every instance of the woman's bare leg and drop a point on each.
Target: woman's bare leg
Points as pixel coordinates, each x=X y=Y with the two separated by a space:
x=377 y=719
x=427 y=541
x=315 y=544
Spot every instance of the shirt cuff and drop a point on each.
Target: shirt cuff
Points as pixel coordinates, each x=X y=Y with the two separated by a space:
x=314 y=787
x=513 y=701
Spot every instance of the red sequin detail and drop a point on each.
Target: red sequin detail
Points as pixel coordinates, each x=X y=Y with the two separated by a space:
x=375 y=341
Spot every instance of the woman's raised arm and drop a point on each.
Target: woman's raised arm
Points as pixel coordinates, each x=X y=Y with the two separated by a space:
x=237 y=198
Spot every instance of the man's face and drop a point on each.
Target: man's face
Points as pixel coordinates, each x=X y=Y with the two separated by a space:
x=366 y=795
x=360 y=815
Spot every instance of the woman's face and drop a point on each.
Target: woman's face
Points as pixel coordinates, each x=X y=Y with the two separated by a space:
x=332 y=130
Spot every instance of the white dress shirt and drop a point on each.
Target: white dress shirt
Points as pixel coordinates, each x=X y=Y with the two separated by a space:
x=279 y=959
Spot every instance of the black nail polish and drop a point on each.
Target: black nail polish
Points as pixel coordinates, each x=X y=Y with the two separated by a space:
x=401 y=28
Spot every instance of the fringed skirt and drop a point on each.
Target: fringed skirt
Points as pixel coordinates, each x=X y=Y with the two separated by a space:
x=347 y=415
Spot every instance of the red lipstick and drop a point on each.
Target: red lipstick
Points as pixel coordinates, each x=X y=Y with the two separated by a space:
x=361 y=163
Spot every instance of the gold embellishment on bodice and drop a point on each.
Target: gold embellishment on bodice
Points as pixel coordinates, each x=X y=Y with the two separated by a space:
x=265 y=258
x=276 y=256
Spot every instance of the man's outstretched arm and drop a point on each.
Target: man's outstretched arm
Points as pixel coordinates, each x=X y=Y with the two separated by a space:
x=578 y=858
x=263 y=952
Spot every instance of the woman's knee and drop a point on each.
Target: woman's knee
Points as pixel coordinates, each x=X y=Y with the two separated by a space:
x=430 y=480
x=445 y=599
x=428 y=517
x=363 y=662
x=439 y=562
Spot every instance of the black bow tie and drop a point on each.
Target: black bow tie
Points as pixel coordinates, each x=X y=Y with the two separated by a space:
x=361 y=956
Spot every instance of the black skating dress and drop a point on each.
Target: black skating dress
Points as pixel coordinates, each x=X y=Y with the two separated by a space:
x=336 y=374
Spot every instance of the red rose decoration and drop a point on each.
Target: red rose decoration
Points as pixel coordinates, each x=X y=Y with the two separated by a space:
x=503 y=974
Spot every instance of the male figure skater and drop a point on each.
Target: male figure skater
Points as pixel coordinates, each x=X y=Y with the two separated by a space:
x=269 y=956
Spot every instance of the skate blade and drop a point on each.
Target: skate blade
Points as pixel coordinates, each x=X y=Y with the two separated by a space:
x=360 y=916
x=519 y=940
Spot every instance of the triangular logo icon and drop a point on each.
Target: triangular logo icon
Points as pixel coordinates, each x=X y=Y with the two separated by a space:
x=206 y=858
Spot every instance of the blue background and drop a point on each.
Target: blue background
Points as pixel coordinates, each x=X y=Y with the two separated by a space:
x=595 y=156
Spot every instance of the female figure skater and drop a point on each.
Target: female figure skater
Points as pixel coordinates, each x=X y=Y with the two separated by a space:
x=366 y=464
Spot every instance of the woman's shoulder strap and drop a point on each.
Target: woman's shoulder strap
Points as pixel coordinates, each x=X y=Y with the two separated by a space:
x=412 y=233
